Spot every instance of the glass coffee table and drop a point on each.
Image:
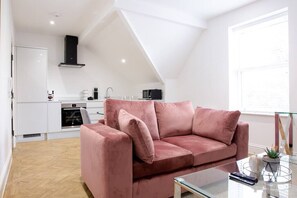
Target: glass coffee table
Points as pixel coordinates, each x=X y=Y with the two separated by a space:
x=215 y=182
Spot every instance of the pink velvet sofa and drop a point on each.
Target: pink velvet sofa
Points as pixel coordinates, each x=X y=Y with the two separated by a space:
x=181 y=140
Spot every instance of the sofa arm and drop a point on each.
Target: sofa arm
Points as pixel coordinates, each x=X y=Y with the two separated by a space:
x=241 y=139
x=106 y=161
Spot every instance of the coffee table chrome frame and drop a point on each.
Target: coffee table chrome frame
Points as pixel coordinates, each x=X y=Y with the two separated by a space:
x=181 y=183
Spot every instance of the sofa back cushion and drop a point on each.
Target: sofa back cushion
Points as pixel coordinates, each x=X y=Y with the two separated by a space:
x=141 y=137
x=215 y=124
x=143 y=110
x=174 y=118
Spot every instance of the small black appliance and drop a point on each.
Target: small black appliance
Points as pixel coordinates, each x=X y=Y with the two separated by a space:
x=95 y=93
x=152 y=94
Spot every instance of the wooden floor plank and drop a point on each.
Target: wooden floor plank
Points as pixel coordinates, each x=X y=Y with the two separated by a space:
x=46 y=169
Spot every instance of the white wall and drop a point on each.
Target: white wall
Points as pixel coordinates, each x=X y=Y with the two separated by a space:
x=6 y=36
x=69 y=82
x=172 y=93
x=204 y=79
x=292 y=53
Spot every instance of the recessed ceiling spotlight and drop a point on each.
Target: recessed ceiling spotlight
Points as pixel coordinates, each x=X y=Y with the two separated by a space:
x=123 y=60
x=54 y=16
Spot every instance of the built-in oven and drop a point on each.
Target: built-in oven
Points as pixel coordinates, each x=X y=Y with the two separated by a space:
x=70 y=115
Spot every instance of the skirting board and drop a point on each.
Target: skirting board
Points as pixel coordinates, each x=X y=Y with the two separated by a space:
x=4 y=175
x=69 y=133
x=60 y=135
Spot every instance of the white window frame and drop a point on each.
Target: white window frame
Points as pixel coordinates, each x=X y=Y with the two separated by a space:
x=235 y=73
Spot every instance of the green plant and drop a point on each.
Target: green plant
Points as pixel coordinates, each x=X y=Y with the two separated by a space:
x=271 y=153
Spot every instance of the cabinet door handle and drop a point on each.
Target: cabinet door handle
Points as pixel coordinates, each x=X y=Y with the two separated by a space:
x=70 y=109
x=100 y=113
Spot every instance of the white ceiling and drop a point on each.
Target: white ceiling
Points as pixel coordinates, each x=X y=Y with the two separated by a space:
x=71 y=16
x=104 y=30
x=75 y=15
x=203 y=9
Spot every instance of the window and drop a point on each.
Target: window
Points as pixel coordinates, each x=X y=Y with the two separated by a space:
x=259 y=69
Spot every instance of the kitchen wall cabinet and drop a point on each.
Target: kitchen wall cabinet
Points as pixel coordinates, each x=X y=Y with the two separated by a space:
x=95 y=110
x=54 y=117
x=31 y=118
x=31 y=74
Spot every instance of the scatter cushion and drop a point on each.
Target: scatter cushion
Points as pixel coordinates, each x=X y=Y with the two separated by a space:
x=174 y=118
x=143 y=110
x=141 y=137
x=168 y=158
x=216 y=124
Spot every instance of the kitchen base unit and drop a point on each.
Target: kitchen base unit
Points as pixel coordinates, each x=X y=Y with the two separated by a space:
x=95 y=110
x=31 y=118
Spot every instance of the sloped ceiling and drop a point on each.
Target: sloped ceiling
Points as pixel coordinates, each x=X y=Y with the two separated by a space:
x=155 y=46
x=168 y=44
x=112 y=42
x=200 y=9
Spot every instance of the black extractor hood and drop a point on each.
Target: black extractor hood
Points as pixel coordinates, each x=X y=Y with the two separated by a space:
x=70 y=52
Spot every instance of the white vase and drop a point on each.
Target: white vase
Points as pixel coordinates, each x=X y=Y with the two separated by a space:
x=256 y=164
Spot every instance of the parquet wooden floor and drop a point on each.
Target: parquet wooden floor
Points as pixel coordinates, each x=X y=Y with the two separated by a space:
x=46 y=169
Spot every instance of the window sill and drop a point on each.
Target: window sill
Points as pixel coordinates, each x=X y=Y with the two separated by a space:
x=270 y=114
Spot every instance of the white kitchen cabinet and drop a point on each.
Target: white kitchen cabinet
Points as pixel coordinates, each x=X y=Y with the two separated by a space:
x=31 y=74
x=95 y=110
x=31 y=118
x=54 y=117
x=31 y=90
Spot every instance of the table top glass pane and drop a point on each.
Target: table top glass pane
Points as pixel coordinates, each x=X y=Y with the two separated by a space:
x=215 y=182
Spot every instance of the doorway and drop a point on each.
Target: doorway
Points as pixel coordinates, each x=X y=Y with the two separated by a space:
x=12 y=95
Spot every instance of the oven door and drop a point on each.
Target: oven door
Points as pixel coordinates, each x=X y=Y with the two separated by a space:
x=71 y=117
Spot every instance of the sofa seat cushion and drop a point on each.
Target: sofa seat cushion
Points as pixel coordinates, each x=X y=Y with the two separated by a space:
x=174 y=118
x=204 y=150
x=168 y=158
x=144 y=110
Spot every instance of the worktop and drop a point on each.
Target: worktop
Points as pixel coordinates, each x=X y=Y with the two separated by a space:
x=78 y=101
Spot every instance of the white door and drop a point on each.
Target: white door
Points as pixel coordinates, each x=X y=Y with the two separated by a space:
x=31 y=74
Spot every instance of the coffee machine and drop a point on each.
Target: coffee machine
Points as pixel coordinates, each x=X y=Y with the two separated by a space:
x=95 y=94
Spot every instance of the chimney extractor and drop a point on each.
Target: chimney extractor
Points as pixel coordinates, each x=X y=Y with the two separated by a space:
x=70 y=52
